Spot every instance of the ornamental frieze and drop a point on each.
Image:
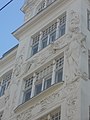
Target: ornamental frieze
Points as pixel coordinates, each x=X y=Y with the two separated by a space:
x=54 y=99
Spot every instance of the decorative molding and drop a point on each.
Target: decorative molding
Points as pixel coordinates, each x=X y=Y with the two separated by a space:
x=74 y=22
x=19 y=62
x=55 y=98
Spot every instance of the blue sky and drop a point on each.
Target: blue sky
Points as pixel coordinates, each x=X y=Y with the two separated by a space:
x=11 y=18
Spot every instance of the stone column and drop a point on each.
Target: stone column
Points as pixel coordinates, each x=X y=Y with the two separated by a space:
x=57 y=30
x=40 y=41
x=53 y=74
x=33 y=85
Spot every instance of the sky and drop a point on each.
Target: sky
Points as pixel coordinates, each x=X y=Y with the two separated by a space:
x=11 y=18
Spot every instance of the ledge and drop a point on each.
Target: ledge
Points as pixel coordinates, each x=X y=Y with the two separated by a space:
x=38 y=97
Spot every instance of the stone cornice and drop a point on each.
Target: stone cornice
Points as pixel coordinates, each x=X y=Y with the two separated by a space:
x=22 y=29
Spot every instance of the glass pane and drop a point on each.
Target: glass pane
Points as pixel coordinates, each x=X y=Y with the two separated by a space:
x=44 y=42
x=52 y=36
x=38 y=88
x=62 y=30
x=27 y=95
x=47 y=83
x=59 y=74
x=3 y=89
x=34 y=49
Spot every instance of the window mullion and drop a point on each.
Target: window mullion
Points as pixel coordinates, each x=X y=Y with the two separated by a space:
x=57 y=29
x=53 y=74
x=33 y=85
x=43 y=84
x=40 y=41
x=48 y=41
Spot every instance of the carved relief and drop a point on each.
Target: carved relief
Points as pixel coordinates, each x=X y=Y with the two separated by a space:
x=74 y=22
x=73 y=54
x=19 y=62
x=72 y=107
x=51 y=101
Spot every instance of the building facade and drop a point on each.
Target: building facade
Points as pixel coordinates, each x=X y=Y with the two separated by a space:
x=47 y=76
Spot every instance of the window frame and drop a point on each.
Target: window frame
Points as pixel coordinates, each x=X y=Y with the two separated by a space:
x=37 y=83
x=33 y=46
x=46 y=40
x=28 y=82
x=52 y=34
x=49 y=77
x=59 y=67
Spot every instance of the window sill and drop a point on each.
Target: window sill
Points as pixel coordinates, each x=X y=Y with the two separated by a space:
x=34 y=100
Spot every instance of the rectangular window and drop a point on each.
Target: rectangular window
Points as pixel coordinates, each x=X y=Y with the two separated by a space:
x=59 y=74
x=53 y=115
x=27 y=95
x=88 y=20
x=44 y=42
x=43 y=80
x=53 y=36
x=59 y=70
x=38 y=88
x=89 y=64
x=35 y=44
x=47 y=82
x=62 y=25
x=27 y=89
x=34 y=49
x=6 y=78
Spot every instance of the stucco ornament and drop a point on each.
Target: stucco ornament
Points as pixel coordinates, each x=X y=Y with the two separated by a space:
x=19 y=62
x=72 y=107
x=75 y=48
x=68 y=92
x=74 y=22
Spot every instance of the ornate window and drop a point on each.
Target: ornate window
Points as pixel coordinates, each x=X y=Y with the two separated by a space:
x=88 y=20
x=28 y=88
x=59 y=69
x=6 y=78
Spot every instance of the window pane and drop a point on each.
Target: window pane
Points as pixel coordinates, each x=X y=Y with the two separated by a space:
x=38 y=88
x=27 y=95
x=59 y=74
x=34 y=49
x=44 y=42
x=62 y=30
x=47 y=83
x=52 y=36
